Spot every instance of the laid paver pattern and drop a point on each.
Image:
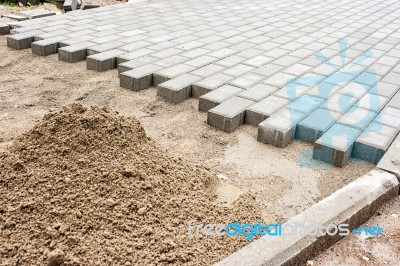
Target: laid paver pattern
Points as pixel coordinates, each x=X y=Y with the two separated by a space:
x=322 y=71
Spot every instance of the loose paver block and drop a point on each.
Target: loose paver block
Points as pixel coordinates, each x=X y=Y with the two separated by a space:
x=372 y=144
x=317 y=123
x=178 y=89
x=229 y=115
x=37 y=13
x=280 y=128
x=22 y=40
x=74 y=53
x=263 y=109
x=217 y=96
x=47 y=46
x=336 y=144
x=138 y=79
x=103 y=61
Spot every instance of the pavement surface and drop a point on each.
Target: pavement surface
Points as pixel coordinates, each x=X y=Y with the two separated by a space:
x=324 y=72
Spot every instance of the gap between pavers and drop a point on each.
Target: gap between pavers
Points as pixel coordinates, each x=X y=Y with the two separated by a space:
x=353 y=204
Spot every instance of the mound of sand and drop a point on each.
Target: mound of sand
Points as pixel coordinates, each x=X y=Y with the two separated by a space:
x=87 y=186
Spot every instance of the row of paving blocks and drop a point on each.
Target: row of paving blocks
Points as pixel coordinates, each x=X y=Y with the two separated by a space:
x=337 y=131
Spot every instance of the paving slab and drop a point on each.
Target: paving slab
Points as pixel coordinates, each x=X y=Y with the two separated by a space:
x=280 y=128
x=129 y=65
x=74 y=53
x=210 y=83
x=335 y=145
x=22 y=40
x=48 y=46
x=372 y=144
x=139 y=78
x=358 y=118
x=390 y=161
x=217 y=96
x=103 y=61
x=258 y=92
x=171 y=72
x=178 y=89
x=263 y=109
x=229 y=115
x=37 y=13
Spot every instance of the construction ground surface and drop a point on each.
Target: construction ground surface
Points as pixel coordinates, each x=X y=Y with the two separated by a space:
x=283 y=182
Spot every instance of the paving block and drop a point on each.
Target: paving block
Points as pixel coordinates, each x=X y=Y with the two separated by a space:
x=292 y=92
x=209 y=83
x=129 y=65
x=354 y=90
x=217 y=96
x=178 y=89
x=76 y=40
x=229 y=115
x=103 y=61
x=389 y=116
x=238 y=70
x=372 y=102
x=207 y=70
x=395 y=101
x=280 y=128
x=139 y=78
x=339 y=103
x=263 y=109
x=47 y=46
x=17 y=17
x=316 y=124
x=104 y=48
x=385 y=89
x=358 y=118
x=70 y=5
x=247 y=80
x=74 y=53
x=305 y=104
x=258 y=92
x=372 y=144
x=170 y=72
x=22 y=40
x=335 y=146
x=201 y=61
x=4 y=29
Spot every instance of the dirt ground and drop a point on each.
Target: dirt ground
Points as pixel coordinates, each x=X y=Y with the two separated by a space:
x=361 y=250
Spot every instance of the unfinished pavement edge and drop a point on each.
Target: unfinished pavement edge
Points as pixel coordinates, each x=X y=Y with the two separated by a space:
x=353 y=204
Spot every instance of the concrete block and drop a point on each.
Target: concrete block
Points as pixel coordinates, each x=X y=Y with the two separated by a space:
x=389 y=116
x=263 y=109
x=395 y=101
x=51 y=34
x=134 y=55
x=4 y=29
x=17 y=17
x=103 y=61
x=104 y=48
x=358 y=118
x=353 y=204
x=258 y=92
x=178 y=89
x=238 y=70
x=170 y=72
x=247 y=80
x=292 y=92
x=207 y=70
x=372 y=102
x=75 y=40
x=316 y=124
x=229 y=115
x=37 y=13
x=74 y=53
x=354 y=90
x=139 y=78
x=201 y=61
x=209 y=83
x=217 y=96
x=129 y=65
x=47 y=46
x=385 y=89
x=336 y=144
x=22 y=40
x=339 y=103
x=230 y=61
x=372 y=144
x=280 y=128
x=70 y=5
x=305 y=104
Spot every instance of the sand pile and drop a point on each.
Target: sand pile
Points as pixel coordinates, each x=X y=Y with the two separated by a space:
x=86 y=186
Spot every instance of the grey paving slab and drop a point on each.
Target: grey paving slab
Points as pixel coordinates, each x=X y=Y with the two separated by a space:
x=128 y=65
x=263 y=109
x=395 y=101
x=47 y=46
x=4 y=29
x=335 y=146
x=171 y=72
x=217 y=96
x=280 y=128
x=257 y=92
x=178 y=89
x=229 y=115
x=139 y=78
x=372 y=144
x=358 y=118
x=74 y=53
x=103 y=61
x=210 y=83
